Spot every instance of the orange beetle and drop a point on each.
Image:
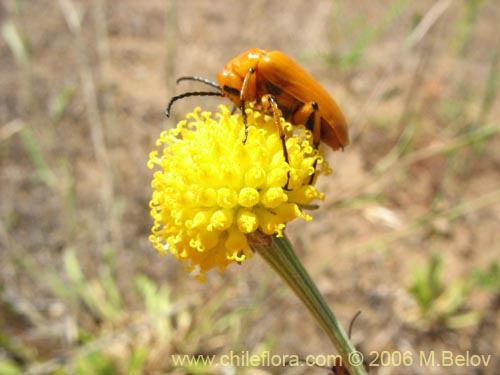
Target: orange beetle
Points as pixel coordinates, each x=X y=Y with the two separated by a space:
x=278 y=85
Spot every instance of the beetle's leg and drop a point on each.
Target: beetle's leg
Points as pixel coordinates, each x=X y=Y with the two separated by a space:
x=309 y=115
x=269 y=103
x=248 y=92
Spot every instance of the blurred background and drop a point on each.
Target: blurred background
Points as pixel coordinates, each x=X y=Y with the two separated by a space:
x=408 y=233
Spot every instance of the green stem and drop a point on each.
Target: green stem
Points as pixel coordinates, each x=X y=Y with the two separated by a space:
x=283 y=259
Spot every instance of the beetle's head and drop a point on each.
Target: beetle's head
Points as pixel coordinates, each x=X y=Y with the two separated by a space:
x=231 y=84
x=232 y=77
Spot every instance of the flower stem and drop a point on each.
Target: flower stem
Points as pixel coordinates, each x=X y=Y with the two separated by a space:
x=281 y=256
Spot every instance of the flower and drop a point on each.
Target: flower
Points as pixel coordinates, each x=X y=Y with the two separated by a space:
x=212 y=192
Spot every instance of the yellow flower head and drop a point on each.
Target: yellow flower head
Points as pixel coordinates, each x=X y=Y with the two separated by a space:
x=212 y=192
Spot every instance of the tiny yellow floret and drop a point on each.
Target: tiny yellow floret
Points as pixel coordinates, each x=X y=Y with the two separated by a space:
x=210 y=191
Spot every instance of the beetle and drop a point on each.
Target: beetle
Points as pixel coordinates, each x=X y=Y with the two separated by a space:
x=278 y=86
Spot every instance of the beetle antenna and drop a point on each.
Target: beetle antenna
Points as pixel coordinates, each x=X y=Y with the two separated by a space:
x=337 y=368
x=352 y=322
x=185 y=95
x=202 y=80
